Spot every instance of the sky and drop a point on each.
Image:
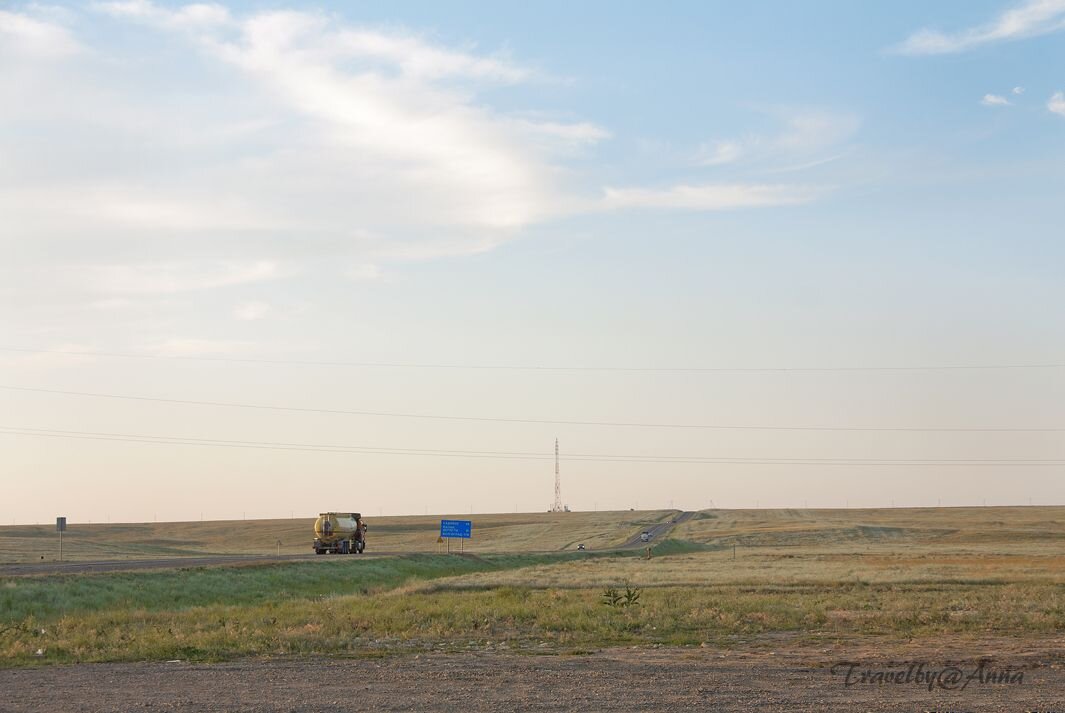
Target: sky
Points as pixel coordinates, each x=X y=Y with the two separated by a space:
x=268 y=259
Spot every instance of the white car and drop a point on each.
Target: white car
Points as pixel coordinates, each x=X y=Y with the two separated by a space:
x=645 y=536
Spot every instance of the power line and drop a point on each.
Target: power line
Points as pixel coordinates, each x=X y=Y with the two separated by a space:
x=532 y=367
x=554 y=422
x=516 y=455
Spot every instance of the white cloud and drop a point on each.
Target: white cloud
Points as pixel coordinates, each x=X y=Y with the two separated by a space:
x=367 y=272
x=1018 y=90
x=994 y=100
x=415 y=58
x=160 y=279
x=1030 y=19
x=708 y=197
x=196 y=15
x=251 y=311
x=1056 y=103
x=34 y=37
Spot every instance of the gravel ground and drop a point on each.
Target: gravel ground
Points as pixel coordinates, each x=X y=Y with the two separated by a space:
x=612 y=680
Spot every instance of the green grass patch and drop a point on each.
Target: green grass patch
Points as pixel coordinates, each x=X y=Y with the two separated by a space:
x=43 y=599
x=681 y=547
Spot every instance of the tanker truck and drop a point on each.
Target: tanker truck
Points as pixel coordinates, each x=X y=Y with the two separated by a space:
x=339 y=533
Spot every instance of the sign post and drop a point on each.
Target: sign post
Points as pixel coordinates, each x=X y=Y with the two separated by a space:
x=60 y=526
x=461 y=529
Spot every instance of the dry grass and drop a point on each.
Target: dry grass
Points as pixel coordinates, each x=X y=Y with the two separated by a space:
x=798 y=575
x=520 y=532
x=943 y=527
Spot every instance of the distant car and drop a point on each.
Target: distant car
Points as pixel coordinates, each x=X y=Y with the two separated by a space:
x=645 y=536
x=580 y=546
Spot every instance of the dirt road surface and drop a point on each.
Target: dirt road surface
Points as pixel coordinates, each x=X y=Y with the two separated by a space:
x=695 y=679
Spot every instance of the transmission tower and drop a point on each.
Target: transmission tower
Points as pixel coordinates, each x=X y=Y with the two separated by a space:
x=557 y=507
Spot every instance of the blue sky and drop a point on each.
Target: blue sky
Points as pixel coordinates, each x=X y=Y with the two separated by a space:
x=752 y=185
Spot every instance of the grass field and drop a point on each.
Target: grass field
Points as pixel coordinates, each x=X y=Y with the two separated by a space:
x=518 y=532
x=794 y=576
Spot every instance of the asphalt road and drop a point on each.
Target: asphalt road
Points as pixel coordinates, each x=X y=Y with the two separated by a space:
x=657 y=532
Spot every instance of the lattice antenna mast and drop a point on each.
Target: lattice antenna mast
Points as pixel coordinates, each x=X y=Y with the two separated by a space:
x=557 y=507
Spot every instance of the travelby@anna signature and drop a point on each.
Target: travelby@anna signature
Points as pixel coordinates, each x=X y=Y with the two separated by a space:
x=949 y=678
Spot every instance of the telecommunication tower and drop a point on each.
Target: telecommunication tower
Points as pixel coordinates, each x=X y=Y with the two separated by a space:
x=557 y=507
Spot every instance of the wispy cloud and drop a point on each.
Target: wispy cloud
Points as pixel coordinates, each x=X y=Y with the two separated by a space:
x=718 y=153
x=160 y=279
x=197 y=347
x=1030 y=19
x=1056 y=103
x=994 y=100
x=1018 y=90
x=803 y=140
x=708 y=197
x=304 y=126
x=251 y=311
x=293 y=136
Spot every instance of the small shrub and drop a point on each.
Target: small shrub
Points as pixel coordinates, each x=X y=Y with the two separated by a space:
x=614 y=597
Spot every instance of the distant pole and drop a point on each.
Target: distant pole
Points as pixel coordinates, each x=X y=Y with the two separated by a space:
x=60 y=545
x=733 y=550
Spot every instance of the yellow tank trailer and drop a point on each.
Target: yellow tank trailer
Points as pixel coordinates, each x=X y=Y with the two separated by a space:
x=339 y=533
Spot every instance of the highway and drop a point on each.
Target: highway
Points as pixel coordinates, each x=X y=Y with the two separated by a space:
x=657 y=532
x=23 y=569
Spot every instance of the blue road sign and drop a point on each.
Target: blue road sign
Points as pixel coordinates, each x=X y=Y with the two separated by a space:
x=456 y=528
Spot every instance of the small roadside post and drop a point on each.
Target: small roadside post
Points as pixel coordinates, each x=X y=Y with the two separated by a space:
x=459 y=529
x=60 y=527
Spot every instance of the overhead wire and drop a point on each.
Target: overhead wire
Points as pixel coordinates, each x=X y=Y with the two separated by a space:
x=521 y=455
x=542 y=421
